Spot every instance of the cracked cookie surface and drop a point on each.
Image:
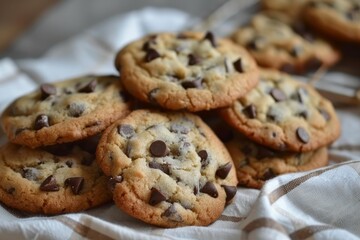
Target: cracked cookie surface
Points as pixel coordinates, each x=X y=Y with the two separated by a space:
x=167 y=169
x=190 y=71
x=284 y=114
x=61 y=179
x=339 y=19
x=65 y=111
x=278 y=41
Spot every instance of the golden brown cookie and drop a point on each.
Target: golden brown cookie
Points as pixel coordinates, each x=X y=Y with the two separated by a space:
x=191 y=71
x=284 y=114
x=167 y=169
x=65 y=111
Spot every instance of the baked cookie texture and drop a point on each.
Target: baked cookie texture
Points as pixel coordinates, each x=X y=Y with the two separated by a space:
x=293 y=8
x=256 y=164
x=338 y=19
x=65 y=111
x=278 y=41
x=167 y=169
x=59 y=179
x=284 y=114
x=190 y=71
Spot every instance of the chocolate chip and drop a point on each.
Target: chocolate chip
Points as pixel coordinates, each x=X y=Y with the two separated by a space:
x=302 y=135
x=210 y=36
x=204 y=158
x=10 y=190
x=161 y=166
x=113 y=181
x=41 y=121
x=76 y=184
x=296 y=51
x=69 y=163
x=263 y=152
x=288 y=68
x=223 y=171
x=125 y=130
x=158 y=148
x=313 y=64
x=268 y=174
x=301 y=94
x=255 y=44
x=250 y=111
x=89 y=87
x=152 y=95
x=278 y=95
x=230 y=192
x=151 y=54
x=193 y=60
x=272 y=117
x=196 y=190
x=179 y=128
x=303 y=114
x=156 y=197
x=47 y=90
x=49 y=184
x=238 y=65
x=76 y=109
x=210 y=189
x=29 y=173
x=197 y=83
x=146 y=46
x=172 y=214
x=325 y=114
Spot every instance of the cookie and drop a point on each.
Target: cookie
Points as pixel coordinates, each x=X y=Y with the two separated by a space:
x=293 y=8
x=65 y=111
x=277 y=41
x=189 y=71
x=338 y=19
x=60 y=179
x=256 y=164
x=284 y=114
x=167 y=169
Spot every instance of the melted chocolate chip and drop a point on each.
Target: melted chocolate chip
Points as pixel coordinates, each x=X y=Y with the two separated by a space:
x=125 y=130
x=172 y=214
x=210 y=189
x=250 y=111
x=210 y=36
x=156 y=197
x=223 y=171
x=158 y=148
x=197 y=83
x=193 y=60
x=268 y=174
x=76 y=184
x=302 y=135
x=278 y=95
x=76 y=109
x=47 y=90
x=113 y=181
x=164 y=167
x=89 y=87
x=151 y=54
x=288 y=68
x=41 y=121
x=204 y=158
x=230 y=192
x=325 y=114
x=49 y=184
x=238 y=65
x=69 y=163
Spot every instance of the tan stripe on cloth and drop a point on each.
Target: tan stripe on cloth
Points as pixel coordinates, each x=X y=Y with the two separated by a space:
x=82 y=229
x=308 y=231
x=230 y=218
x=288 y=187
x=264 y=223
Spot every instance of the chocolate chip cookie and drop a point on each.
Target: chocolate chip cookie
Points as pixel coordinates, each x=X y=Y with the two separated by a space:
x=284 y=114
x=167 y=169
x=65 y=111
x=339 y=19
x=277 y=41
x=189 y=71
x=58 y=179
x=255 y=164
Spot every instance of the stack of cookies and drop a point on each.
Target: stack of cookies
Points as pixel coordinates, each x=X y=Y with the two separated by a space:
x=161 y=163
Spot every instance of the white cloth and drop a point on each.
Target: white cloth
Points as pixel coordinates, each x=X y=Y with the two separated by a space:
x=322 y=204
